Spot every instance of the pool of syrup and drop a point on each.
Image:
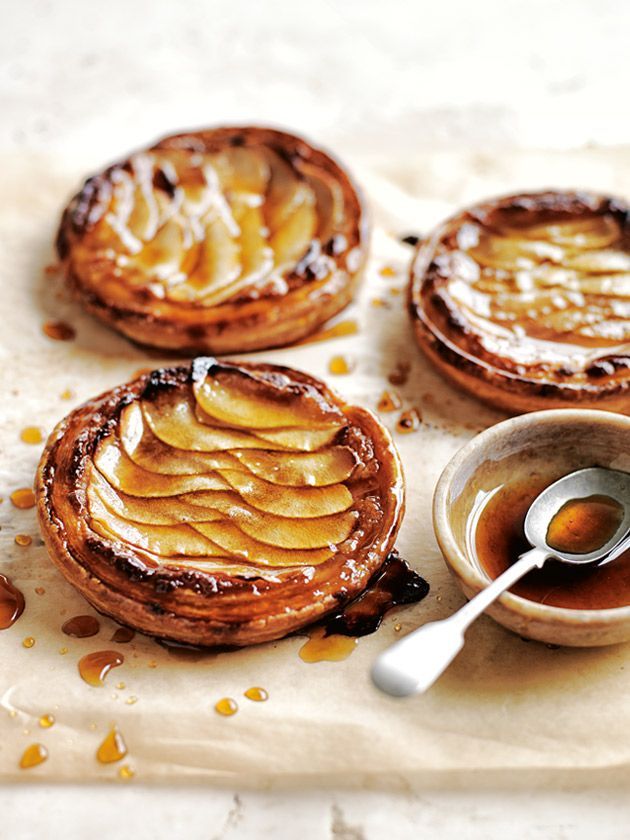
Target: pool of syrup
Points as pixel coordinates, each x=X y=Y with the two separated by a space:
x=499 y=540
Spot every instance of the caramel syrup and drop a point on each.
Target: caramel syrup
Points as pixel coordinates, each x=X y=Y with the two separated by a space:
x=388 y=271
x=409 y=421
x=28 y=642
x=395 y=584
x=499 y=540
x=94 y=667
x=125 y=772
x=380 y=303
x=31 y=434
x=257 y=694
x=81 y=626
x=324 y=648
x=33 y=755
x=113 y=747
x=23 y=539
x=340 y=365
x=584 y=525
x=338 y=330
x=46 y=721
x=11 y=603
x=389 y=401
x=122 y=635
x=23 y=498
x=226 y=706
x=67 y=394
x=400 y=374
x=59 y=330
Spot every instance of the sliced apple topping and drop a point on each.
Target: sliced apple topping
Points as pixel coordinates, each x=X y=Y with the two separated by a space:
x=207 y=227
x=177 y=488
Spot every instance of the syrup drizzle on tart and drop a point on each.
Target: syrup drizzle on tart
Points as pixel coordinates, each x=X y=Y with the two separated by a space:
x=249 y=483
x=534 y=288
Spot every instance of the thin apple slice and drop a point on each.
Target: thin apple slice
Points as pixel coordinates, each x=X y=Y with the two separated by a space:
x=124 y=475
x=221 y=397
x=149 y=452
x=169 y=510
x=294 y=502
x=241 y=169
x=233 y=541
x=300 y=469
x=276 y=530
x=164 y=540
x=589 y=232
x=172 y=419
x=600 y=262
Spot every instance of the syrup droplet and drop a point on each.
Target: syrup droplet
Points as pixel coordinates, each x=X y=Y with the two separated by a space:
x=131 y=700
x=389 y=401
x=257 y=694
x=338 y=330
x=46 y=721
x=28 y=642
x=33 y=755
x=323 y=648
x=120 y=685
x=23 y=498
x=59 y=330
x=226 y=706
x=122 y=635
x=11 y=603
x=23 y=539
x=67 y=394
x=380 y=303
x=81 y=626
x=409 y=421
x=113 y=747
x=387 y=271
x=39 y=590
x=397 y=628
x=126 y=772
x=63 y=650
x=400 y=374
x=340 y=365
x=395 y=290
x=94 y=667
x=31 y=434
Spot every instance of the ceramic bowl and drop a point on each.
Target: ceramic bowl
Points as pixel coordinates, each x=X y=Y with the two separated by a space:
x=554 y=442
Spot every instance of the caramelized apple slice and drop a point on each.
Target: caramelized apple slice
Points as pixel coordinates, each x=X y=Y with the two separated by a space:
x=513 y=253
x=149 y=452
x=123 y=474
x=584 y=233
x=234 y=542
x=300 y=469
x=169 y=510
x=174 y=422
x=164 y=540
x=299 y=503
x=232 y=406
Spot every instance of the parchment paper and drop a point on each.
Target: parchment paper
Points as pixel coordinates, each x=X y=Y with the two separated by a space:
x=505 y=707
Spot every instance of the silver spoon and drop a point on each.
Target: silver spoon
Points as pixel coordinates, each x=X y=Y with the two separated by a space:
x=414 y=663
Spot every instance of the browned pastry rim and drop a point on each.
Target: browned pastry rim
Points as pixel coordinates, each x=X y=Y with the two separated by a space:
x=455 y=345
x=313 y=288
x=208 y=607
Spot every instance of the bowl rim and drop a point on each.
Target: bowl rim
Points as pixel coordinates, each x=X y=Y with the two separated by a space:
x=457 y=560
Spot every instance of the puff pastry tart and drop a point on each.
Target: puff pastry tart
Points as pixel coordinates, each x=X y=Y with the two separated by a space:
x=225 y=240
x=219 y=504
x=524 y=301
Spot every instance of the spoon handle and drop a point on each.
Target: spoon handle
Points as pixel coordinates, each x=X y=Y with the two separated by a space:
x=414 y=663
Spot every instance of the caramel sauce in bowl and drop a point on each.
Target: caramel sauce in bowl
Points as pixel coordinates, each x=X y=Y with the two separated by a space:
x=481 y=501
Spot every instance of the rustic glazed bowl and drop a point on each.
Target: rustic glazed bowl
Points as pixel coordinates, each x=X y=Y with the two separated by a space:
x=552 y=443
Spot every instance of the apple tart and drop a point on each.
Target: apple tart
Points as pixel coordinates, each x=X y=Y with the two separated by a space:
x=524 y=301
x=225 y=240
x=219 y=504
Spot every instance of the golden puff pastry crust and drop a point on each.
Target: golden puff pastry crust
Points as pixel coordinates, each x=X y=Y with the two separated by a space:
x=219 y=503
x=524 y=301
x=217 y=241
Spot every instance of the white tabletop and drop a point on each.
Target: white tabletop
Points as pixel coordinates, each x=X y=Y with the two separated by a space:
x=89 y=80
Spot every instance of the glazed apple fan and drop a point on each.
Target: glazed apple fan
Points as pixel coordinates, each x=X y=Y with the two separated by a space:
x=219 y=503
